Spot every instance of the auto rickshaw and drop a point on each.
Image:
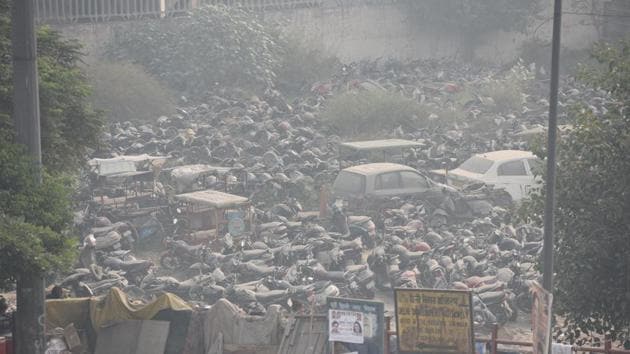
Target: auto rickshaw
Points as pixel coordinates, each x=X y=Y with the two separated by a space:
x=207 y=216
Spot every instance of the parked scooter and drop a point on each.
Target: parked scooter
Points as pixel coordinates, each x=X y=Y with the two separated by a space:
x=358 y=226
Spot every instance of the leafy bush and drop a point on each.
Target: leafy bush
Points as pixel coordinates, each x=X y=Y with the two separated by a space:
x=470 y=19
x=212 y=48
x=538 y=51
x=507 y=92
x=368 y=112
x=303 y=63
x=126 y=91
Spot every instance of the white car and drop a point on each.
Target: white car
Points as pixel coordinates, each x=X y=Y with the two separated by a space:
x=512 y=170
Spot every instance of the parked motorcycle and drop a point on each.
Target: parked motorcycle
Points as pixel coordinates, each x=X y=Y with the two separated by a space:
x=180 y=254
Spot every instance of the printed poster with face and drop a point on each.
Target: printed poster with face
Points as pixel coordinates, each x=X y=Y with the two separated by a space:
x=345 y=326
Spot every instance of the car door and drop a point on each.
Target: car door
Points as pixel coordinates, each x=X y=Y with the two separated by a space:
x=387 y=184
x=413 y=183
x=513 y=176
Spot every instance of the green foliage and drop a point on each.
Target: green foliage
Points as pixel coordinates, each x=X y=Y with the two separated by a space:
x=365 y=113
x=125 y=91
x=213 y=48
x=68 y=123
x=472 y=17
x=613 y=70
x=592 y=224
x=6 y=82
x=33 y=217
x=507 y=92
x=31 y=249
x=303 y=64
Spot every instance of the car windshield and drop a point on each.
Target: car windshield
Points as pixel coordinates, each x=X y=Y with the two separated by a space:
x=348 y=182
x=476 y=164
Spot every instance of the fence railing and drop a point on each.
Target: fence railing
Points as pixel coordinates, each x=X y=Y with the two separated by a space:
x=267 y=4
x=69 y=11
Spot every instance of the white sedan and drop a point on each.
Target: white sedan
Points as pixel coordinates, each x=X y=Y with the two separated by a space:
x=512 y=170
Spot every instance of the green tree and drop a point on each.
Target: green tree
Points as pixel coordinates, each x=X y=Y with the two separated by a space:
x=35 y=218
x=470 y=19
x=213 y=48
x=69 y=125
x=592 y=285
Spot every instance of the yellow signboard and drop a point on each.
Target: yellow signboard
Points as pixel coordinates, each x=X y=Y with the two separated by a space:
x=434 y=321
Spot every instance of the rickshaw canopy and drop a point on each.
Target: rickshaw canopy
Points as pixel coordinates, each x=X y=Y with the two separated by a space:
x=122 y=166
x=213 y=199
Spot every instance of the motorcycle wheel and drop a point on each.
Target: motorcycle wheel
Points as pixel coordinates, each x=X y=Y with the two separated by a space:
x=169 y=262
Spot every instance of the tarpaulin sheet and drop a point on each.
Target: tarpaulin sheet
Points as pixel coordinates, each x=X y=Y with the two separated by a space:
x=116 y=307
x=62 y=312
x=227 y=323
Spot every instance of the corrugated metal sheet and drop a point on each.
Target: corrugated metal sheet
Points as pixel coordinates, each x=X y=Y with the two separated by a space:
x=304 y=335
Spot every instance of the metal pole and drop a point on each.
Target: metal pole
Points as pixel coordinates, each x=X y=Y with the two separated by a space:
x=550 y=202
x=30 y=318
x=551 y=150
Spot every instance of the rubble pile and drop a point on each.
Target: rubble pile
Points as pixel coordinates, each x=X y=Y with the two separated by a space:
x=279 y=155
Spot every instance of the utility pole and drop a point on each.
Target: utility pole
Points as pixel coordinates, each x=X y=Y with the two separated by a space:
x=30 y=319
x=550 y=202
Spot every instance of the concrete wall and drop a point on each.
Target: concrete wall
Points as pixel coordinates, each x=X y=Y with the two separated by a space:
x=375 y=31
x=381 y=31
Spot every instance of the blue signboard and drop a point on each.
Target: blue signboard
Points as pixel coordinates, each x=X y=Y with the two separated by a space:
x=362 y=322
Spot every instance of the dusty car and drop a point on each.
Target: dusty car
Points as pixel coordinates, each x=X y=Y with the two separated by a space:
x=511 y=170
x=388 y=150
x=382 y=180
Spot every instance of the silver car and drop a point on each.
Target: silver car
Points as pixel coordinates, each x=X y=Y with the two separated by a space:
x=382 y=180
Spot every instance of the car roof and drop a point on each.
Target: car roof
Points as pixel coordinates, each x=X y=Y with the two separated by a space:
x=503 y=155
x=376 y=168
x=380 y=144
